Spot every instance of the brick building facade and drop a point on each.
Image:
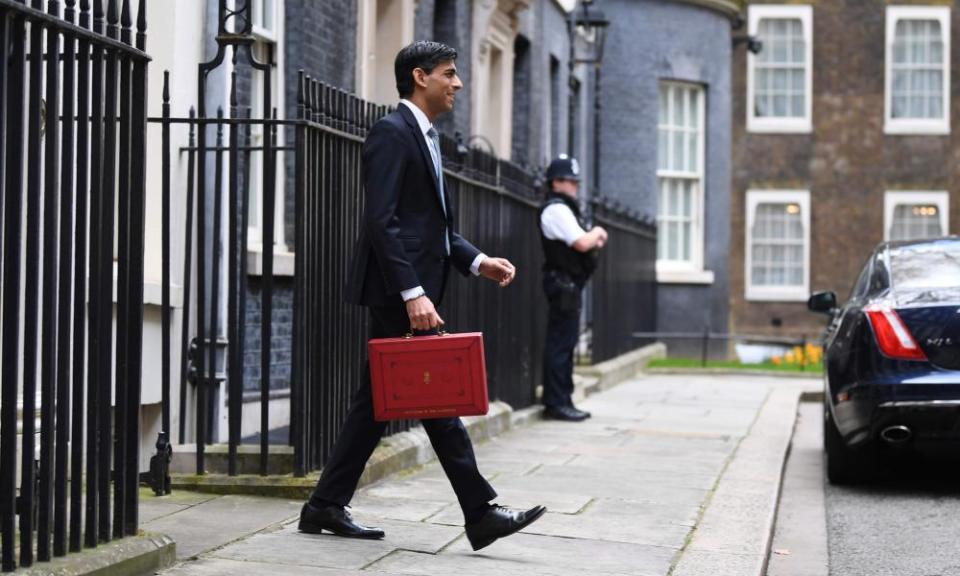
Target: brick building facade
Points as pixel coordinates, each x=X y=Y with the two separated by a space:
x=843 y=137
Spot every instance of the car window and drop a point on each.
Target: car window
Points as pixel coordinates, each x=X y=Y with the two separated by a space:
x=860 y=288
x=924 y=266
x=880 y=275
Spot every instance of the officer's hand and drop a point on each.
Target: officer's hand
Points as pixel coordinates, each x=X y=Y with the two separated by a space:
x=423 y=316
x=500 y=270
x=601 y=236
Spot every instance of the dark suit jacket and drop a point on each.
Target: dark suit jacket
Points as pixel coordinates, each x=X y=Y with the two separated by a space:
x=401 y=240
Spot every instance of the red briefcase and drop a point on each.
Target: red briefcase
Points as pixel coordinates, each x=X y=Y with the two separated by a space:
x=428 y=376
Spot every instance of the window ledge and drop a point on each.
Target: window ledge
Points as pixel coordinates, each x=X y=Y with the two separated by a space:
x=916 y=128
x=685 y=276
x=767 y=295
x=779 y=126
x=283 y=261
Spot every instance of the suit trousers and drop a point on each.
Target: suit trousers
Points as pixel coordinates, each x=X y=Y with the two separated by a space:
x=562 y=334
x=361 y=433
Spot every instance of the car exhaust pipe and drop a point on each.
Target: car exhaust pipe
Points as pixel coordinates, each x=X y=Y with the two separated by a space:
x=896 y=434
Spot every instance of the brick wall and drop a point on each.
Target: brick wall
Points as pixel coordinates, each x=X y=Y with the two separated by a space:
x=847 y=163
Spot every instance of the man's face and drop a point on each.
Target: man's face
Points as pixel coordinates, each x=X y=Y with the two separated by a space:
x=441 y=86
x=566 y=186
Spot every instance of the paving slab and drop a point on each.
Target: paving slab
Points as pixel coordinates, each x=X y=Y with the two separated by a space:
x=225 y=567
x=533 y=554
x=221 y=520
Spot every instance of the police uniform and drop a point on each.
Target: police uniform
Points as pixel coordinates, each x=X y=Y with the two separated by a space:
x=565 y=271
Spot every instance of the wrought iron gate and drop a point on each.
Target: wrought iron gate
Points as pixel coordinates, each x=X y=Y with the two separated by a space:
x=72 y=168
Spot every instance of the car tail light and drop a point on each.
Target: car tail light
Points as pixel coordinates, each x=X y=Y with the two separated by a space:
x=892 y=335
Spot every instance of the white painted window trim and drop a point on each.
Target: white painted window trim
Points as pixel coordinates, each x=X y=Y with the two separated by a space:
x=893 y=199
x=268 y=34
x=692 y=271
x=777 y=293
x=365 y=71
x=916 y=126
x=802 y=125
x=254 y=231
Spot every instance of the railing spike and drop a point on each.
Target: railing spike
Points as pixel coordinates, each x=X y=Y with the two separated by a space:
x=166 y=86
x=233 y=89
x=126 y=20
x=142 y=17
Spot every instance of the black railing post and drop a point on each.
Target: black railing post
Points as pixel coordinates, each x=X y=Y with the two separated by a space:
x=187 y=275
x=165 y=306
x=138 y=178
x=67 y=255
x=48 y=360
x=31 y=298
x=80 y=291
x=12 y=112
x=123 y=257
x=234 y=352
x=298 y=413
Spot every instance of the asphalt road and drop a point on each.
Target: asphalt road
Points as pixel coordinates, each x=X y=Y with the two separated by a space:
x=906 y=524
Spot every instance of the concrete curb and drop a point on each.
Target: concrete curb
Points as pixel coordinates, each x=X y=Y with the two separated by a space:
x=605 y=375
x=735 y=530
x=133 y=556
x=735 y=372
x=406 y=450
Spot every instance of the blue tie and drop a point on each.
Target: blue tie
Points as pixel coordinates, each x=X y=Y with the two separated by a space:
x=438 y=167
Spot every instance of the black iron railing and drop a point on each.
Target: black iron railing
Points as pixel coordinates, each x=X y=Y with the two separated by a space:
x=624 y=288
x=72 y=168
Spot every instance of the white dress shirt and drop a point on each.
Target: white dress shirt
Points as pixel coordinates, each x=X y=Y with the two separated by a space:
x=559 y=223
x=424 y=123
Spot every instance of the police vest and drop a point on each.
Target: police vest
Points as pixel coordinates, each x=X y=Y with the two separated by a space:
x=558 y=256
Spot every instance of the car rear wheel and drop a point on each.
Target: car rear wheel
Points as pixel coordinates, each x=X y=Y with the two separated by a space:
x=846 y=465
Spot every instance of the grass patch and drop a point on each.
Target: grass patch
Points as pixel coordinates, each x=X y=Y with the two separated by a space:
x=815 y=367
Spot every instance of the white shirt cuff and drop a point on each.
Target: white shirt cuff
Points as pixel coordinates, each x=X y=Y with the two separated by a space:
x=415 y=292
x=475 y=267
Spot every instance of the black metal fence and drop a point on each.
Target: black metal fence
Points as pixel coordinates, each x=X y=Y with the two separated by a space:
x=624 y=288
x=72 y=169
x=497 y=210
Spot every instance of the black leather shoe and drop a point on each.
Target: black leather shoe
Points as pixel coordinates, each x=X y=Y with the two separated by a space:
x=499 y=522
x=336 y=519
x=565 y=413
x=584 y=412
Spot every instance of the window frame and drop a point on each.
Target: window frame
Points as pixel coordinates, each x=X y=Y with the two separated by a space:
x=256 y=9
x=683 y=271
x=282 y=251
x=798 y=293
x=801 y=125
x=916 y=126
x=893 y=198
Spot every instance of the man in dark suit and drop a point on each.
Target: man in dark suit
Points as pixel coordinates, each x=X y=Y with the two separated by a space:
x=400 y=266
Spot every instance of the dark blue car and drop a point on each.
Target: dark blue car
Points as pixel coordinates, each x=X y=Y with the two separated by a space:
x=892 y=358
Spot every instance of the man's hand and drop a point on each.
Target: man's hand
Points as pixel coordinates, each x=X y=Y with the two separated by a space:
x=601 y=236
x=423 y=316
x=500 y=270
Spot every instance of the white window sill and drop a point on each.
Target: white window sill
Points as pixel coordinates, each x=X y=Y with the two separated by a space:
x=779 y=126
x=916 y=128
x=765 y=294
x=283 y=261
x=685 y=277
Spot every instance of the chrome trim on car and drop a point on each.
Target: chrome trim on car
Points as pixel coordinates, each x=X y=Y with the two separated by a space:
x=920 y=404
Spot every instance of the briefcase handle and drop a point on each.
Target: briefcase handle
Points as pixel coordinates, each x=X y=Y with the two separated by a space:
x=440 y=332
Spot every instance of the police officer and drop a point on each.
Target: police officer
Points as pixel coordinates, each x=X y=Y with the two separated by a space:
x=570 y=254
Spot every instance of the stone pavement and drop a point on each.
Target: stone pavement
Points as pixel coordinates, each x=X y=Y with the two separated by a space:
x=625 y=492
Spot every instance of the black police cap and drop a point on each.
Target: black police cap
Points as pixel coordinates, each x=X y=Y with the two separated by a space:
x=563 y=167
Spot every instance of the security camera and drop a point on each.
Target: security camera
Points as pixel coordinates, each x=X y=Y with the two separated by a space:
x=754 y=44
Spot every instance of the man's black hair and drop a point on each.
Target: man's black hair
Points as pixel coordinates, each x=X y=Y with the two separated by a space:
x=422 y=54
